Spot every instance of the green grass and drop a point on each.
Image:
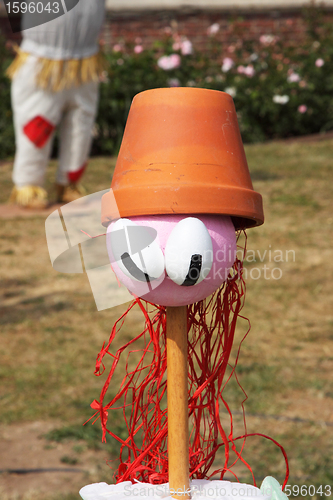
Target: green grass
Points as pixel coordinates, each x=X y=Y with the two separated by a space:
x=89 y=434
x=51 y=331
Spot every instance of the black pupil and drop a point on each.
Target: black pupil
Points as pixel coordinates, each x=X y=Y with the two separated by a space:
x=191 y=277
x=133 y=269
x=194 y=270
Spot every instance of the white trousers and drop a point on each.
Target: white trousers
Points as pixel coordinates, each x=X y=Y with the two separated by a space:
x=36 y=115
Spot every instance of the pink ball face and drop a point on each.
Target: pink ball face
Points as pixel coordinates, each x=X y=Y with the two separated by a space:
x=185 y=261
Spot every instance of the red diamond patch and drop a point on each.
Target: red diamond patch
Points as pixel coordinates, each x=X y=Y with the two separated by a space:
x=38 y=130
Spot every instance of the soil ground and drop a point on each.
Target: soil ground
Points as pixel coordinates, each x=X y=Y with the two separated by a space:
x=31 y=467
x=51 y=333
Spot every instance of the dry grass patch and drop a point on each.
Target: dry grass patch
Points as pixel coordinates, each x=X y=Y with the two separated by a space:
x=51 y=330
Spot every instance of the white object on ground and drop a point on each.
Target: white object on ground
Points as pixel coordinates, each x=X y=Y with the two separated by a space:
x=201 y=489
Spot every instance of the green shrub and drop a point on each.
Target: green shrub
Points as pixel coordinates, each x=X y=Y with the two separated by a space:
x=279 y=90
x=7 y=141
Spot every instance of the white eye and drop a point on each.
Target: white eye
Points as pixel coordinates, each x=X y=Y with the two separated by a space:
x=189 y=252
x=136 y=251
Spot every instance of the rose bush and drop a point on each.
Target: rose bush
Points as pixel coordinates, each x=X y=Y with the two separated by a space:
x=279 y=90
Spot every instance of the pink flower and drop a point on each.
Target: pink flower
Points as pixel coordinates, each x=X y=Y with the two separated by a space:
x=186 y=47
x=267 y=39
x=253 y=57
x=281 y=99
x=319 y=63
x=293 y=77
x=176 y=46
x=246 y=70
x=174 y=82
x=175 y=60
x=103 y=78
x=249 y=71
x=228 y=63
x=117 y=48
x=138 y=49
x=213 y=29
x=169 y=62
x=302 y=108
x=231 y=91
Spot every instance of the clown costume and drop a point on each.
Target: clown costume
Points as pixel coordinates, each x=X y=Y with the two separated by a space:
x=55 y=79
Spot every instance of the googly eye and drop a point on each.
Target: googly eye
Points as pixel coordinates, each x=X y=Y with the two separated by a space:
x=136 y=250
x=189 y=252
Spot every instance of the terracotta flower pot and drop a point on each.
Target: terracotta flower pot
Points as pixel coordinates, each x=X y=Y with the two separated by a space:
x=182 y=153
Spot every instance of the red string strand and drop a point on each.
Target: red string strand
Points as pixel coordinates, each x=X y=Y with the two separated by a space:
x=142 y=394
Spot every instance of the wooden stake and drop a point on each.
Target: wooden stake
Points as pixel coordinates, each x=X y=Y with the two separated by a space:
x=178 y=436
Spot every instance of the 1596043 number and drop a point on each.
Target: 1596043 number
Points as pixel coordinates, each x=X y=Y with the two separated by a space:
x=32 y=7
x=304 y=490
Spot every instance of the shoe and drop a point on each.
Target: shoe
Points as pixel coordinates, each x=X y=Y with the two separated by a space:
x=29 y=197
x=66 y=194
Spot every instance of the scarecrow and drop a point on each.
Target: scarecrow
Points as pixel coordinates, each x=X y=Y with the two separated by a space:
x=55 y=83
x=180 y=198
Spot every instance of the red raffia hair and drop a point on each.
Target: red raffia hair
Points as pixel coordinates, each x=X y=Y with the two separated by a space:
x=142 y=394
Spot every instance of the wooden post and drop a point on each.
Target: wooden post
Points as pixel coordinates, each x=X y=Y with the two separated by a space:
x=178 y=434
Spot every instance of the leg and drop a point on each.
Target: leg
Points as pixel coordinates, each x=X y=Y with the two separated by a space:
x=76 y=133
x=36 y=113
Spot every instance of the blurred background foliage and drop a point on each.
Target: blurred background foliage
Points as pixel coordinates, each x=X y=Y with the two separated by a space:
x=280 y=90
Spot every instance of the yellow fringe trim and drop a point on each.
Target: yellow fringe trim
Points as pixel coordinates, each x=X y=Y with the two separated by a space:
x=19 y=60
x=73 y=192
x=60 y=75
x=29 y=196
